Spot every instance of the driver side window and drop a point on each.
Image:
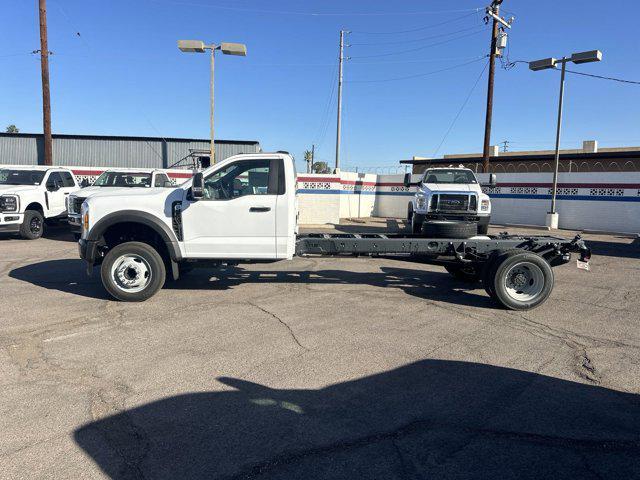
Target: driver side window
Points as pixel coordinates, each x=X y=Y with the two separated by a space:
x=54 y=182
x=238 y=180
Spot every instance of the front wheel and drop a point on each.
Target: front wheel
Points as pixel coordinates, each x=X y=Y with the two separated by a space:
x=133 y=272
x=32 y=226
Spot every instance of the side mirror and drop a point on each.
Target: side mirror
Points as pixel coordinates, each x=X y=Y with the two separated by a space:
x=493 y=180
x=167 y=184
x=407 y=180
x=197 y=186
x=84 y=183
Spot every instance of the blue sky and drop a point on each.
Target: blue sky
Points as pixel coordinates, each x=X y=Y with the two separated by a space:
x=125 y=76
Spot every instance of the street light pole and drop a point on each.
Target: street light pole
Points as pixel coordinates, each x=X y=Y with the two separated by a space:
x=544 y=64
x=558 y=129
x=198 y=46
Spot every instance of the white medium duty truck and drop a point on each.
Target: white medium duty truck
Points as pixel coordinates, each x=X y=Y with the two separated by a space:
x=31 y=195
x=449 y=202
x=244 y=209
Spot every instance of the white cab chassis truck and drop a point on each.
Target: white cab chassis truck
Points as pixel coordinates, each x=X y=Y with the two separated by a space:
x=31 y=195
x=449 y=203
x=108 y=181
x=244 y=210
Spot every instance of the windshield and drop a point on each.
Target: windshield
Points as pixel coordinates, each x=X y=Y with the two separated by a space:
x=21 y=177
x=449 y=176
x=123 y=179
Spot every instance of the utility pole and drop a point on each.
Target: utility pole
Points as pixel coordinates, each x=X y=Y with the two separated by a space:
x=313 y=156
x=46 y=94
x=493 y=12
x=338 y=124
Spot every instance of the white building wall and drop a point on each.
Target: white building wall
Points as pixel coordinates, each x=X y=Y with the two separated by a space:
x=606 y=201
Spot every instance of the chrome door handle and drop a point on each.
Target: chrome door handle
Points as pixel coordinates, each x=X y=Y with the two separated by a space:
x=260 y=209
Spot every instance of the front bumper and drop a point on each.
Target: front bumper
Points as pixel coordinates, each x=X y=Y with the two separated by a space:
x=10 y=222
x=75 y=223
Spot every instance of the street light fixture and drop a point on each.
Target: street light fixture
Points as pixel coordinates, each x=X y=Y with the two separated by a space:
x=546 y=63
x=227 y=48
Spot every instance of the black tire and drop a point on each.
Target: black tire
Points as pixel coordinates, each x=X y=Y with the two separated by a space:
x=521 y=280
x=466 y=273
x=483 y=229
x=147 y=269
x=417 y=221
x=449 y=229
x=409 y=212
x=32 y=226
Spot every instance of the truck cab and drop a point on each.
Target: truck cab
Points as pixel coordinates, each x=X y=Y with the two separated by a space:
x=240 y=209
x=110 y=180
x=29 y=195
x=448 y=200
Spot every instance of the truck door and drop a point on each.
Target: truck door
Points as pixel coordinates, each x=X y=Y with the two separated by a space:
x=55 y=194
x=237 y=216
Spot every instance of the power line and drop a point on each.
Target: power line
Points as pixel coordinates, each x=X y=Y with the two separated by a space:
x=314 y=14
x=603 y=77
x=418 y=74
x=419 y=48
x=417 y=39
x=395 y=32
x=464 y=104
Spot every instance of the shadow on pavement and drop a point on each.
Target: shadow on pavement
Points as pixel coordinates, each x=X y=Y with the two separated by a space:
x=65 y=275
x=58 y=232
x=429 y=419
x=69 y=276
x=626 y=248
x=429 y=285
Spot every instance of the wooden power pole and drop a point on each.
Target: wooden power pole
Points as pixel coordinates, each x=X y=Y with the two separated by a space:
x=495 y=8
x=46 y=94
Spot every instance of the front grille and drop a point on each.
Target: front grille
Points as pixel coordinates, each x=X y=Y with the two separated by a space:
x=453 y=203
x=75 y=204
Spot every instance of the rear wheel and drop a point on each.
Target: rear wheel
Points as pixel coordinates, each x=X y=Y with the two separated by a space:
x=133 y=272
x=32 y=226
x=520 y=280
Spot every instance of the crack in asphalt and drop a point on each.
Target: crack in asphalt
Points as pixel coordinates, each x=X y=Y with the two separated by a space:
x=283 y=323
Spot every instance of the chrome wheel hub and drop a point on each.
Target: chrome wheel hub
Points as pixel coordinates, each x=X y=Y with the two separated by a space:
x=131 y=273
x=524 y=281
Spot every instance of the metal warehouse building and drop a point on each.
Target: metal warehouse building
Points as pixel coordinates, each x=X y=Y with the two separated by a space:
x=116 y=151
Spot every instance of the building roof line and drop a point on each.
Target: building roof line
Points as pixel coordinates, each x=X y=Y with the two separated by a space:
x=125 y=137
x=525 y=158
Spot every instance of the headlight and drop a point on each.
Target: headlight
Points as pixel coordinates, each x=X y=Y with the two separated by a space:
x=421 y=203
x=9 y=203
x=84 y=209
x=484 y=205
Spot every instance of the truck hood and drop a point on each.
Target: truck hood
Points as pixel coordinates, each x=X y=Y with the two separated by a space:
x=17 y=189
x=91 y=191
x=126 y=192
x=450 y=187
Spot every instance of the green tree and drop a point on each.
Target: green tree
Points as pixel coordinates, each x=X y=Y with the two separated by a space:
x=321 y=167
x=12 y=129
x=308 y=157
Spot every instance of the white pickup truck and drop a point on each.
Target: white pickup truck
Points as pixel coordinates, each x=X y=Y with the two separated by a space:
x=31 y=195
x=449 y=202
x=244 y=209
x=122 y=178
